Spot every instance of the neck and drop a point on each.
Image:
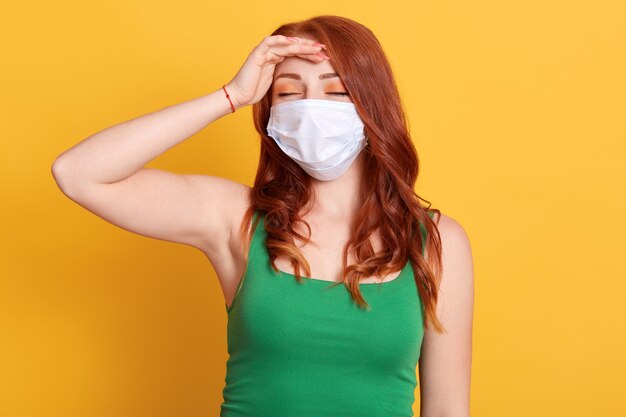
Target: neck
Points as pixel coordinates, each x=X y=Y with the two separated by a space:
x=340 y=198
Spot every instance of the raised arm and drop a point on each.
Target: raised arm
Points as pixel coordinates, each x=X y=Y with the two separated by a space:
x=106 y=174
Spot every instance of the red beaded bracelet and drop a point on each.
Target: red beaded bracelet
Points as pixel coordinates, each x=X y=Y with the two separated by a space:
x=232 y=106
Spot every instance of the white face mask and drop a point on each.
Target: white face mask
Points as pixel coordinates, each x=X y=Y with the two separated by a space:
x=324 y=137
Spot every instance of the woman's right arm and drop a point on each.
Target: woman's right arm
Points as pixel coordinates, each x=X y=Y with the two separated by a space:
x=106 y=174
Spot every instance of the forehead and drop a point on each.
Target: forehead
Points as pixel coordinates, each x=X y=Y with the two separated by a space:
x=307 y=70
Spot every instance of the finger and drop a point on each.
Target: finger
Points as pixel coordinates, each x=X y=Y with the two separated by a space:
x=272 y=41
x=295 y=49
x=280 y=40
x=309 y=57
x=313 y=57
x=318 y=56
x=278 y=53
x=304 y=41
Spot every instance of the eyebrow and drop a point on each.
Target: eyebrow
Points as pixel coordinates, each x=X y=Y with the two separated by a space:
x=297 y=76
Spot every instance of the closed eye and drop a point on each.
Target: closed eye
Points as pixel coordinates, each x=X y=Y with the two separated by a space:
x=333 y=93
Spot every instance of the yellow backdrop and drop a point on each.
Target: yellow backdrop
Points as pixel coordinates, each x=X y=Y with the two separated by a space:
x=517 y=110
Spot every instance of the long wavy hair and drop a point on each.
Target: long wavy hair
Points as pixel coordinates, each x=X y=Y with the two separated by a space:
x=390 y=204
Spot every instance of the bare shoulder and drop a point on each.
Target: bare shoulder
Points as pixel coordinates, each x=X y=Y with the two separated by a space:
x=445 y=359
x=456 y=256
x=453 y=234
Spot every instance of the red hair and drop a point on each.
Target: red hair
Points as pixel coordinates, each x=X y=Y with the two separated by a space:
x=390 y=204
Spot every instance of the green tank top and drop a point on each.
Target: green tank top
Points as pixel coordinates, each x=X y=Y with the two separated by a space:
x=307 y=349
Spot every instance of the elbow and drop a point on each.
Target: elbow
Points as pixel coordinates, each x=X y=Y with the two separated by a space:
x=56 y=168
x=63 y=176
x=58 y=171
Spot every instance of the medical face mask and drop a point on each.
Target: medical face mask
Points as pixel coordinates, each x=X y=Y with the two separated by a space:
x=324 y=137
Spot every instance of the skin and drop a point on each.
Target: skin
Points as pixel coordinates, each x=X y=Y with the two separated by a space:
x=445 y=359
x=106 y=174
x=331 y=216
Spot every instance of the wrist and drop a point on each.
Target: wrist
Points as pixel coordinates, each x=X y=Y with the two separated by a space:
x=232 y=102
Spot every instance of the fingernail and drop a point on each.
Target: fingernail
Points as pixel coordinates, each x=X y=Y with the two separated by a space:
x=319 y=44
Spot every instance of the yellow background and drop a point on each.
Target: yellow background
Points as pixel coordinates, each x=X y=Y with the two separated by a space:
x=517 y=109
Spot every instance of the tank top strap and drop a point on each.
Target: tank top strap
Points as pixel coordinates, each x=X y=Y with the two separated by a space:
x=424 y=232
x=257 y=258
x=257 y=253
x=257 y=238
x=258 y=249
x=259 y=267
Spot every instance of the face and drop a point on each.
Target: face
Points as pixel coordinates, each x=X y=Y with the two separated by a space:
x=298 y=78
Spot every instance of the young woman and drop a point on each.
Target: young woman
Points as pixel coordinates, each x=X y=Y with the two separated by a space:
x=336 y=279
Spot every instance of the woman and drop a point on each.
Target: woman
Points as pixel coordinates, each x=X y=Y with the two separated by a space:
x=386 y=282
